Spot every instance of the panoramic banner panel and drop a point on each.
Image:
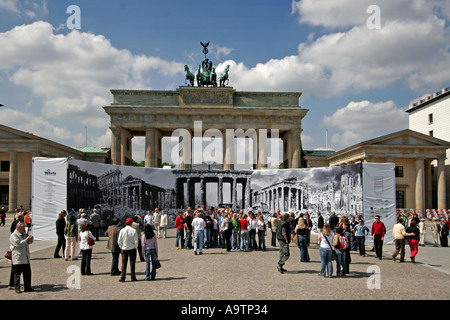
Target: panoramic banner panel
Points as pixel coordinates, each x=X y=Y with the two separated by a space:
x=49 y=195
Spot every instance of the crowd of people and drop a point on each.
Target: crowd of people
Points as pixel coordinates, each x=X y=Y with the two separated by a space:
x=202 y=228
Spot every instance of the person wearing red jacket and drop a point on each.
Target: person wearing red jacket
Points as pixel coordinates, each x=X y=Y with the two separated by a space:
x=378 y=232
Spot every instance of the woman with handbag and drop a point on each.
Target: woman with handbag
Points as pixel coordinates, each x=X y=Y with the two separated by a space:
x=150 y=251
x=326 y=250
x=86 y=244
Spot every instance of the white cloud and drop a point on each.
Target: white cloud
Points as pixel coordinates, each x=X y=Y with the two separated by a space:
x=72 y=74
x=363 y=120
x=26 y=8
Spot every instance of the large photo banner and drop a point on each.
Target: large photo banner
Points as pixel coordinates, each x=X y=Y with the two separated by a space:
x=49 y=195
x=379 y=196
x=125 y=191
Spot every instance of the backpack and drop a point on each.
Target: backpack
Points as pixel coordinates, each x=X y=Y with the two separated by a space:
x=343 y=243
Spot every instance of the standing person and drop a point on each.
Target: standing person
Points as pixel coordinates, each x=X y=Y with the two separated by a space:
x=325 y=250
x=262 y=233
x=340 y=244
x=333 y=221
x=252 y=230
x=302 y=237
x=179 y=226
x=284 y=238
x=95 y=221
x=274 y=221
x=86 y=248
x=227 y=228
x=128 y=242
x=19 y=244
x=188 y=226
x=3 y=216
x=164 y=223
x=244 y=233
x=156 y=221
x=60 y=225
x=435 y=231
x=443 y=233
x=235 y=243
x=148 y=218
x=361 y=231
x=399 y=233
x=353 y=224
x=215 y=231
x=137 y=227
x=413 y=239
x=150 y=251
x=198 y=226
x=378 y=231
x=71 y=234
x=309 y=225
x=207 y=230
x=423 y=231
x=320 y=224
x=113 y=235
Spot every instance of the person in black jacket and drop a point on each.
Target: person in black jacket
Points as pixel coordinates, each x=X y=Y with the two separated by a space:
x=320 y=224
x=60 y=225
x=443 y=233
x=333 y=221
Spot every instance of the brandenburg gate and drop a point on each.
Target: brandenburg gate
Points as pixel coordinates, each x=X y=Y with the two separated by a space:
x=155 y=114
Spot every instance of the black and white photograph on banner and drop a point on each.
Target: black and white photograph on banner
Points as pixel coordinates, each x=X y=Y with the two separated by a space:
x=330 y=189
x=127 y=191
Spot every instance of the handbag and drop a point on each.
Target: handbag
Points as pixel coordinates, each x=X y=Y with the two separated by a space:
x=333 y=252
x=158 y=264
x=8 y=255
x=90 y=241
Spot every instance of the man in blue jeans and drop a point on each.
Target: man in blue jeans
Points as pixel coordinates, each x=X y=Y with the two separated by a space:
x=198 y=226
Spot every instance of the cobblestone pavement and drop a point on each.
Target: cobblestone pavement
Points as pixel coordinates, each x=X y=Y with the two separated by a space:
x=235 y=275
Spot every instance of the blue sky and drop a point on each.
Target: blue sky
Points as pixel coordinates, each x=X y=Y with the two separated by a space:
x=356 y=81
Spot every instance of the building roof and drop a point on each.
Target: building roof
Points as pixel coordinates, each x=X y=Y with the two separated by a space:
x=427 y=100
x=318 y=153
x=93 y=149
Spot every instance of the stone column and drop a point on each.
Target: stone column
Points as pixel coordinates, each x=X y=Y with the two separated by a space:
x=202 y=192
x=13 y=181
x=248 y=194
x=116 y=147
x=420 y=181
x=262 y=149
x=185 y=146
x=220 y=190
x=150 y=148
x=295 y=149
x=441 y=192
x=228 y=149
x=428 y=185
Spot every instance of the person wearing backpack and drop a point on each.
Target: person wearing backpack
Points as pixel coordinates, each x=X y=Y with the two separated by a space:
x=340 y=243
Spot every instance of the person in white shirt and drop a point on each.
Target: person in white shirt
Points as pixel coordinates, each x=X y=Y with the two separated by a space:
x=128 y=241
x=163 y=224
x=198 y=225
x=157 y=221
x=148 y=218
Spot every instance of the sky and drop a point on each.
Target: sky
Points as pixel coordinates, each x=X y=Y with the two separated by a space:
x=358 y=63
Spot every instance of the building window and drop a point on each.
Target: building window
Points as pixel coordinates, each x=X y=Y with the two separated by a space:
x=430 y=133
x=430 y=118
x=399 y=172
x=4 y=191
x=4 y=166
x=400 y=199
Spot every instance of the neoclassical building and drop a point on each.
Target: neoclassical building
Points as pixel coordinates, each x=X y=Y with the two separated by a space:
x=17 y=148
x=420 y=184
x=221 y=112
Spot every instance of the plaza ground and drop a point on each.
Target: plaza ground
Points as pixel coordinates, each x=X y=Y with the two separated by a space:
x=235 y=275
